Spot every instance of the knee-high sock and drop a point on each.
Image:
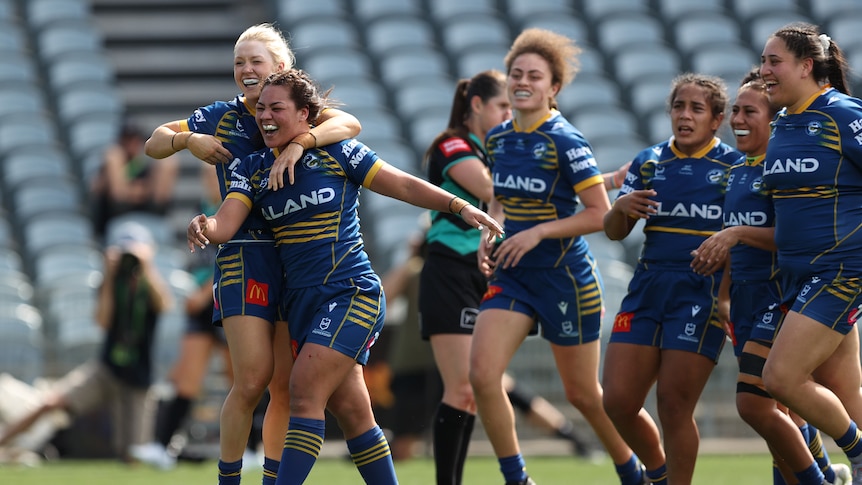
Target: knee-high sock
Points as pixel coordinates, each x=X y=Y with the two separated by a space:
x=229 y=473
x=370 y=452
x=301 y=448
x=170 y=418
x=270 y=471
x=815 y=443
x=449 y=428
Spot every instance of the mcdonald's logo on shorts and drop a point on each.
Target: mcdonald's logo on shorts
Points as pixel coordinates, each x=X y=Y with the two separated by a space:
x=256 y=293
x=491 y=292
x=623 y=322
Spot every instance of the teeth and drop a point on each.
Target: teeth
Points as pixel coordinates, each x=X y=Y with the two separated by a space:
x=270 y=127
x=250 y=82
x=741 y=132
x=522 y=94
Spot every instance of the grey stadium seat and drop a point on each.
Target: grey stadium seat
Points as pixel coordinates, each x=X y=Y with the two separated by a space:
x=618 y=32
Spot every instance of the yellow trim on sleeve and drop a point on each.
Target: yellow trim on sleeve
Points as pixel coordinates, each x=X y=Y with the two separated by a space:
x=372 y=173
x=585 y=184
x=240 y=197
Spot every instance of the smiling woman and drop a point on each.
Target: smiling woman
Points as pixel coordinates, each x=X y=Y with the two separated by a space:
x=331 y=297
x=220 y=134
x=814 y=365
x=542 y=273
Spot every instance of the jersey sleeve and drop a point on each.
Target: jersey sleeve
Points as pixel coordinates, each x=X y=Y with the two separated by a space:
x=454 y=151
x=205 y=119
x=634 y=179
x=359 y=162
x=850 y=129
x=241 y=186
x=578 y=163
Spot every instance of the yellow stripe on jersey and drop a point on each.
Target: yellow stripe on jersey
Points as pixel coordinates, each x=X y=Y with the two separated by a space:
x=225 y=126
x=521 y=209
x=677 y=230
x=816 y=192
x=322 y=226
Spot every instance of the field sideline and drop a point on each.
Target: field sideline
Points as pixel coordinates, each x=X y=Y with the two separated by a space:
x=743 y=469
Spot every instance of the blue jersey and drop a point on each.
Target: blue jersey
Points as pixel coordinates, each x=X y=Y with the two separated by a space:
x=748 y=203
x=690 y=192
x=232 y=123
x=814 y=167
x=537 y=173
x=316 y=220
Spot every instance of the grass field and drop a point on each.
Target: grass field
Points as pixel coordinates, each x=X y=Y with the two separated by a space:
x=711 y=470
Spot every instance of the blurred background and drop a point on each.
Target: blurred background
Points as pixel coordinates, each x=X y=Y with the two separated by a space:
x=73 y=72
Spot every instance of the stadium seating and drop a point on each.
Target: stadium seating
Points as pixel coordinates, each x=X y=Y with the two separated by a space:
x=674 y=11
x=396 y=32
x=411 y=64
x=619 y=32
x=293 y=13
x=42 y=13
x=444 y=10
x=705 y=29
x=469 y=32
x=321 y=33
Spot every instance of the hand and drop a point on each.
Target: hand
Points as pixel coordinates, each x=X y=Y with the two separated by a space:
x=512 y=249
x=286 y=160
x=619 y=175
x=195 y=233
x=712 y=253
x=208 y=148
x=637 y=204
x=481 y=221
x=483 y=257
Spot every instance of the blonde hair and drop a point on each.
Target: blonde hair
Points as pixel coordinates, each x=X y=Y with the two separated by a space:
x=273 y=39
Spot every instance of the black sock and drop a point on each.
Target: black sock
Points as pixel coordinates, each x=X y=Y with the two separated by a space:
x=466 y=434
x=169 y=421
x=450 y=448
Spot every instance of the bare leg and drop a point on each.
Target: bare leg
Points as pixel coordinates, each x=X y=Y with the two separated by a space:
x=250 y=344
x=629 y=373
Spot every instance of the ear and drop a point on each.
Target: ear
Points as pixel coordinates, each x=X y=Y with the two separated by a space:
x=807 y=66
x=555 y=89
x=475 y=104
x=303 y=114
x=715 y=124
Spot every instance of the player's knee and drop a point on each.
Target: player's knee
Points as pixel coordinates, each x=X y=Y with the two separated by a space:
x=250 y=389
x=587 y=404
x=619 y=408
x=753 y=403
x=461 y=396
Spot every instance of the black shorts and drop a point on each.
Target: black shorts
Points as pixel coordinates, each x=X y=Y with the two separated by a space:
x=202 y=324
x=450 y=289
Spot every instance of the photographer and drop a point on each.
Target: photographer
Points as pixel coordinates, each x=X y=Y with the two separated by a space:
x=130 y=300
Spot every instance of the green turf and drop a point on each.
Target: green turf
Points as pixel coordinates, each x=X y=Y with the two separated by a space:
x=711 y=469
